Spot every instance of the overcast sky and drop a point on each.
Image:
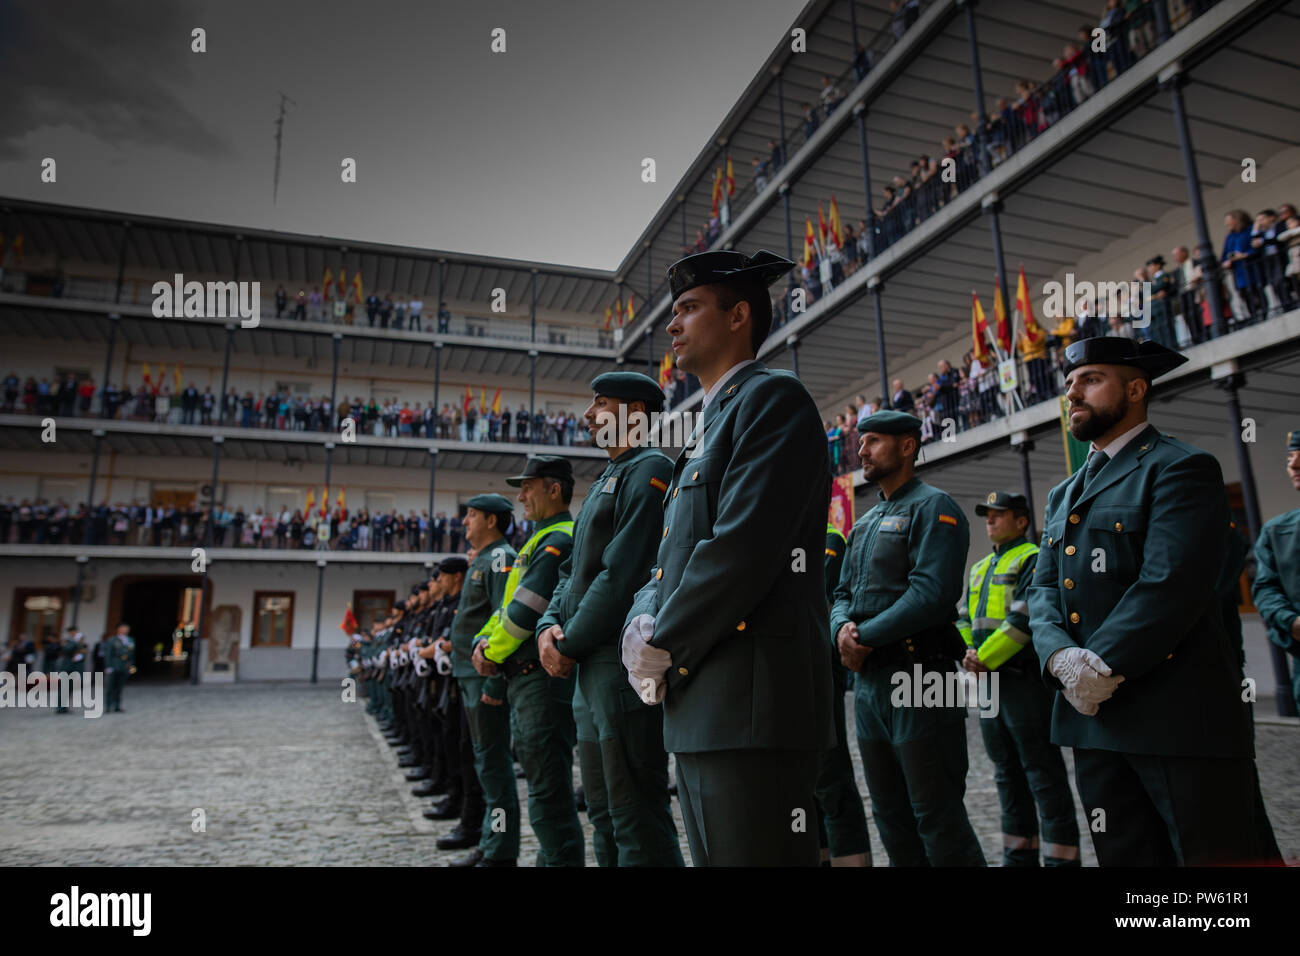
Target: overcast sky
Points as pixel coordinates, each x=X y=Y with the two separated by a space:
x=533 y=154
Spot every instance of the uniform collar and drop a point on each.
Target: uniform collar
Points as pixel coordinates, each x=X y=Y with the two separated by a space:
x=726 y=376
x=903 y=490
x=553 y=519
x=1000 y=549
x=1116 y=446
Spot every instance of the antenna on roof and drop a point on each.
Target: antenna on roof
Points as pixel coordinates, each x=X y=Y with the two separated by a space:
x=279 y=136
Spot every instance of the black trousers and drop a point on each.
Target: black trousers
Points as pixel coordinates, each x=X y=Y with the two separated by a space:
x=464 y=783
x=750 y=807
x=1167 y=811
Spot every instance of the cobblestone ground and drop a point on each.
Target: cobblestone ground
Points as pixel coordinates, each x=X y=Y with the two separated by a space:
x=287 y=774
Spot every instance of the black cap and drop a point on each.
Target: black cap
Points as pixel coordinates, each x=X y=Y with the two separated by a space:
x=890 y=422
x=1156 y=261
x=1293 y=440
x=543 y=466
x=726 y=265
x=456 y=564
x=1002 y=501
x=492 y=504
x=630 y=387
x=1151 y=357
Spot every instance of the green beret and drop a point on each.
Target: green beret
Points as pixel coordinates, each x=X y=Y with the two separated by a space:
x=630 y=387
x=543 y=466
x=492 y=504
x=890 y=422
x=1293 y=440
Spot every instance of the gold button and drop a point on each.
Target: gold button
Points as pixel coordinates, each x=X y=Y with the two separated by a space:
x=665 y=531
x=1119 y=526
x=1069 y=585
x=1074 y=617
x=1071 y=549
x=659 y=574
x=694 y=475
x=1170 y=657
x=1074 y=519
x=682 y=671
x=740 y=626
x=1051 y=540
x=675 y=492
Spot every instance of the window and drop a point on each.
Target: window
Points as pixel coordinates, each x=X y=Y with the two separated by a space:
x=38 y=614
x=371 y=607
x=272 y=618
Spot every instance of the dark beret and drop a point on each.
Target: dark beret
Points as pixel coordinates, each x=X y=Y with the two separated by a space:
x=630 y=387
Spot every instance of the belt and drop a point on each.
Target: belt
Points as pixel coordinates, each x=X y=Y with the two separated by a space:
x=940 y=644
x=513 y=669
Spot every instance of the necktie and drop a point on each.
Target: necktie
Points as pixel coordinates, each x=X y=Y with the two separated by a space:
x=1096 y=462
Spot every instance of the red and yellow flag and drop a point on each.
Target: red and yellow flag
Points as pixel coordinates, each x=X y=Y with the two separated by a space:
x=1000 y=315
x=618 y=311
x=311 y=500
x=731 y=179
x=343 y=282
x=496 y=402
x=148 y=379
x=176 y=377
x=717 y=189
x=1033 y=332
x=609 y=316
x=162 y=378
x=349 y=625
x=631 y=312
x=327 y=282
x=666 y=368
x=809 y=243
x=324 y=501
x=342 y=502
x=821 y=224
x=356 y=287
x=469 y=400
x=979 y=327
x=837 y=227
x=482 y=399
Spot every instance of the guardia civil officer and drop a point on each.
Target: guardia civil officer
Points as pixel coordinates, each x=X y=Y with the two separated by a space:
x=620 y=743
x=1276 y=590
x=464 y=797
x=486 y=518
x=994 y=622
x=119 y=663
x=730 y=630
x=893 y=623
x=1126 y=622
x=71 y=660
x=505 y=652
x=844 y=837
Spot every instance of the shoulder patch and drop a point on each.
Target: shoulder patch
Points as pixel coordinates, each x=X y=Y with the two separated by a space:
x=658 y=484
x=832 y=553
x=552 y=549
x=947 y=519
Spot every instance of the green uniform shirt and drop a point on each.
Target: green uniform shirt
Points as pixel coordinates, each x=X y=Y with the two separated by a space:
x=614 y=544
x=120 y=653
x=485 y=584
x=1276 y=590
x=905 y=567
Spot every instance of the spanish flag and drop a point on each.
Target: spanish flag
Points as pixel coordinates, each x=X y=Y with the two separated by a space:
x=356 y=287
x=809 y=243
x=349 y=625
x=609 y=315
x=1033 y=332
x=162 y=377
x=496 y=402
x=731 y=179
x=148 y=379
x=618 y=311
x=469 y=400
x=324 y=501
x=342 y=502
x=717 y=188
x=1000 y=314
x=482 y=399
x=837 y=228
x=176 y=377
x=343 y=282
x=979 y=327
x=631 y=313
x=821 y=223
x=666 y=368
x=327 y=282
x=311 y=500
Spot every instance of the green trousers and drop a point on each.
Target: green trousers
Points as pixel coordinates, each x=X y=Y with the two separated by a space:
x=489 y=730
x=116 y=681
x=541 y=723
x=842 y=819
x=624 y=769
x=915 y=763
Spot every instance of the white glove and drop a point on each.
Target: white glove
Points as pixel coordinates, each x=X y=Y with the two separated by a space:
x=1086 y=677
x=646 y=664
x=442 y=660
x=421 y=667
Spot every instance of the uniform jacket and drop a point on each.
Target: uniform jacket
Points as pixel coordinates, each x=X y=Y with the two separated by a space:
x=120 y=653
x=1276 y=590
x=738 y=589
x=614 y=544
x=485 y=584
x=1153 y=523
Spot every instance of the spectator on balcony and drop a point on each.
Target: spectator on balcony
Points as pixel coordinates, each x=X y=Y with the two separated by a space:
x=713 y=231
x=1163 y=291
x=1141 y=27
x=455 y=530
x=385 y=311
x=281 y=301
x=316 y=303
x=701 y=244
x=1187 y=279
x=416 y=307
x=372 y=308
x=444 y=317
x=300 y=306
x=760 y=173
x=1075 y=63
x=207 y=402
x=861 y=62
x=902 y=14
x=1291 y=236
x=67 y=395
x=11 y=388
x=85 y=394
x=189 y=404
x=1096 y=59
x=901 y=399
x=830 y=96
x=540 y=432
x=1113 y=22
x=399 y=314
x=1237 y=254
x=1272 y=263
x=1034 y=353
x=776 y=156
x=810 y=120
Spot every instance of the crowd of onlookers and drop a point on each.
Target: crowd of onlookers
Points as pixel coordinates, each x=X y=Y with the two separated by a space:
x=136 y=524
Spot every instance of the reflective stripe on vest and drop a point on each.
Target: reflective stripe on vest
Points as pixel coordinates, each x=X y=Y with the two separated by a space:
x=991 y=610
x=526 y=597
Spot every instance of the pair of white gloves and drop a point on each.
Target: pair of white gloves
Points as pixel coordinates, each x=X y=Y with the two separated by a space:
x=1085 y=678
x=646 y=665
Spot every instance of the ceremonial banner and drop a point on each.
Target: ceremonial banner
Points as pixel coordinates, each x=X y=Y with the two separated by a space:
x=840 y=513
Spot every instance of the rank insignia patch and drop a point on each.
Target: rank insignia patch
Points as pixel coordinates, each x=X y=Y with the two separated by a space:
x=947 y=519
x=551 y=549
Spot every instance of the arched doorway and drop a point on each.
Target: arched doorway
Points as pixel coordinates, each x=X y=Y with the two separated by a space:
x=165 y=612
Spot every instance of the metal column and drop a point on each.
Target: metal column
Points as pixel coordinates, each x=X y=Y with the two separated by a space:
x=991 y=205
x=315 y=642
x=334 y=378
x=433 y=481
x=113 y=319
x=217 y=441
x=794 y=354
x=875 y=285
x=225 y=375
x=969 y=7
x=437 y=380
x=1172 y=80
x=532 y=358
x=877 y=289
x=94 y=476
x=76 y=595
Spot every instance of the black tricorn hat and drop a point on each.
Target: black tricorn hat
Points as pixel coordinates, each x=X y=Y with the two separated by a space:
x=1151 y=357
x=726 y=265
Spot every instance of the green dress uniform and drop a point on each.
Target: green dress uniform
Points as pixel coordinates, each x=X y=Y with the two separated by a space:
x=489 y=726
x=541 y=706
x=70 y=662
x=738 y=600
x=119 y=658
x=1129 y=565
x=621 y=752
x=900 y=585
x=1276 y=590
x=842 y=816
x=994 y=619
